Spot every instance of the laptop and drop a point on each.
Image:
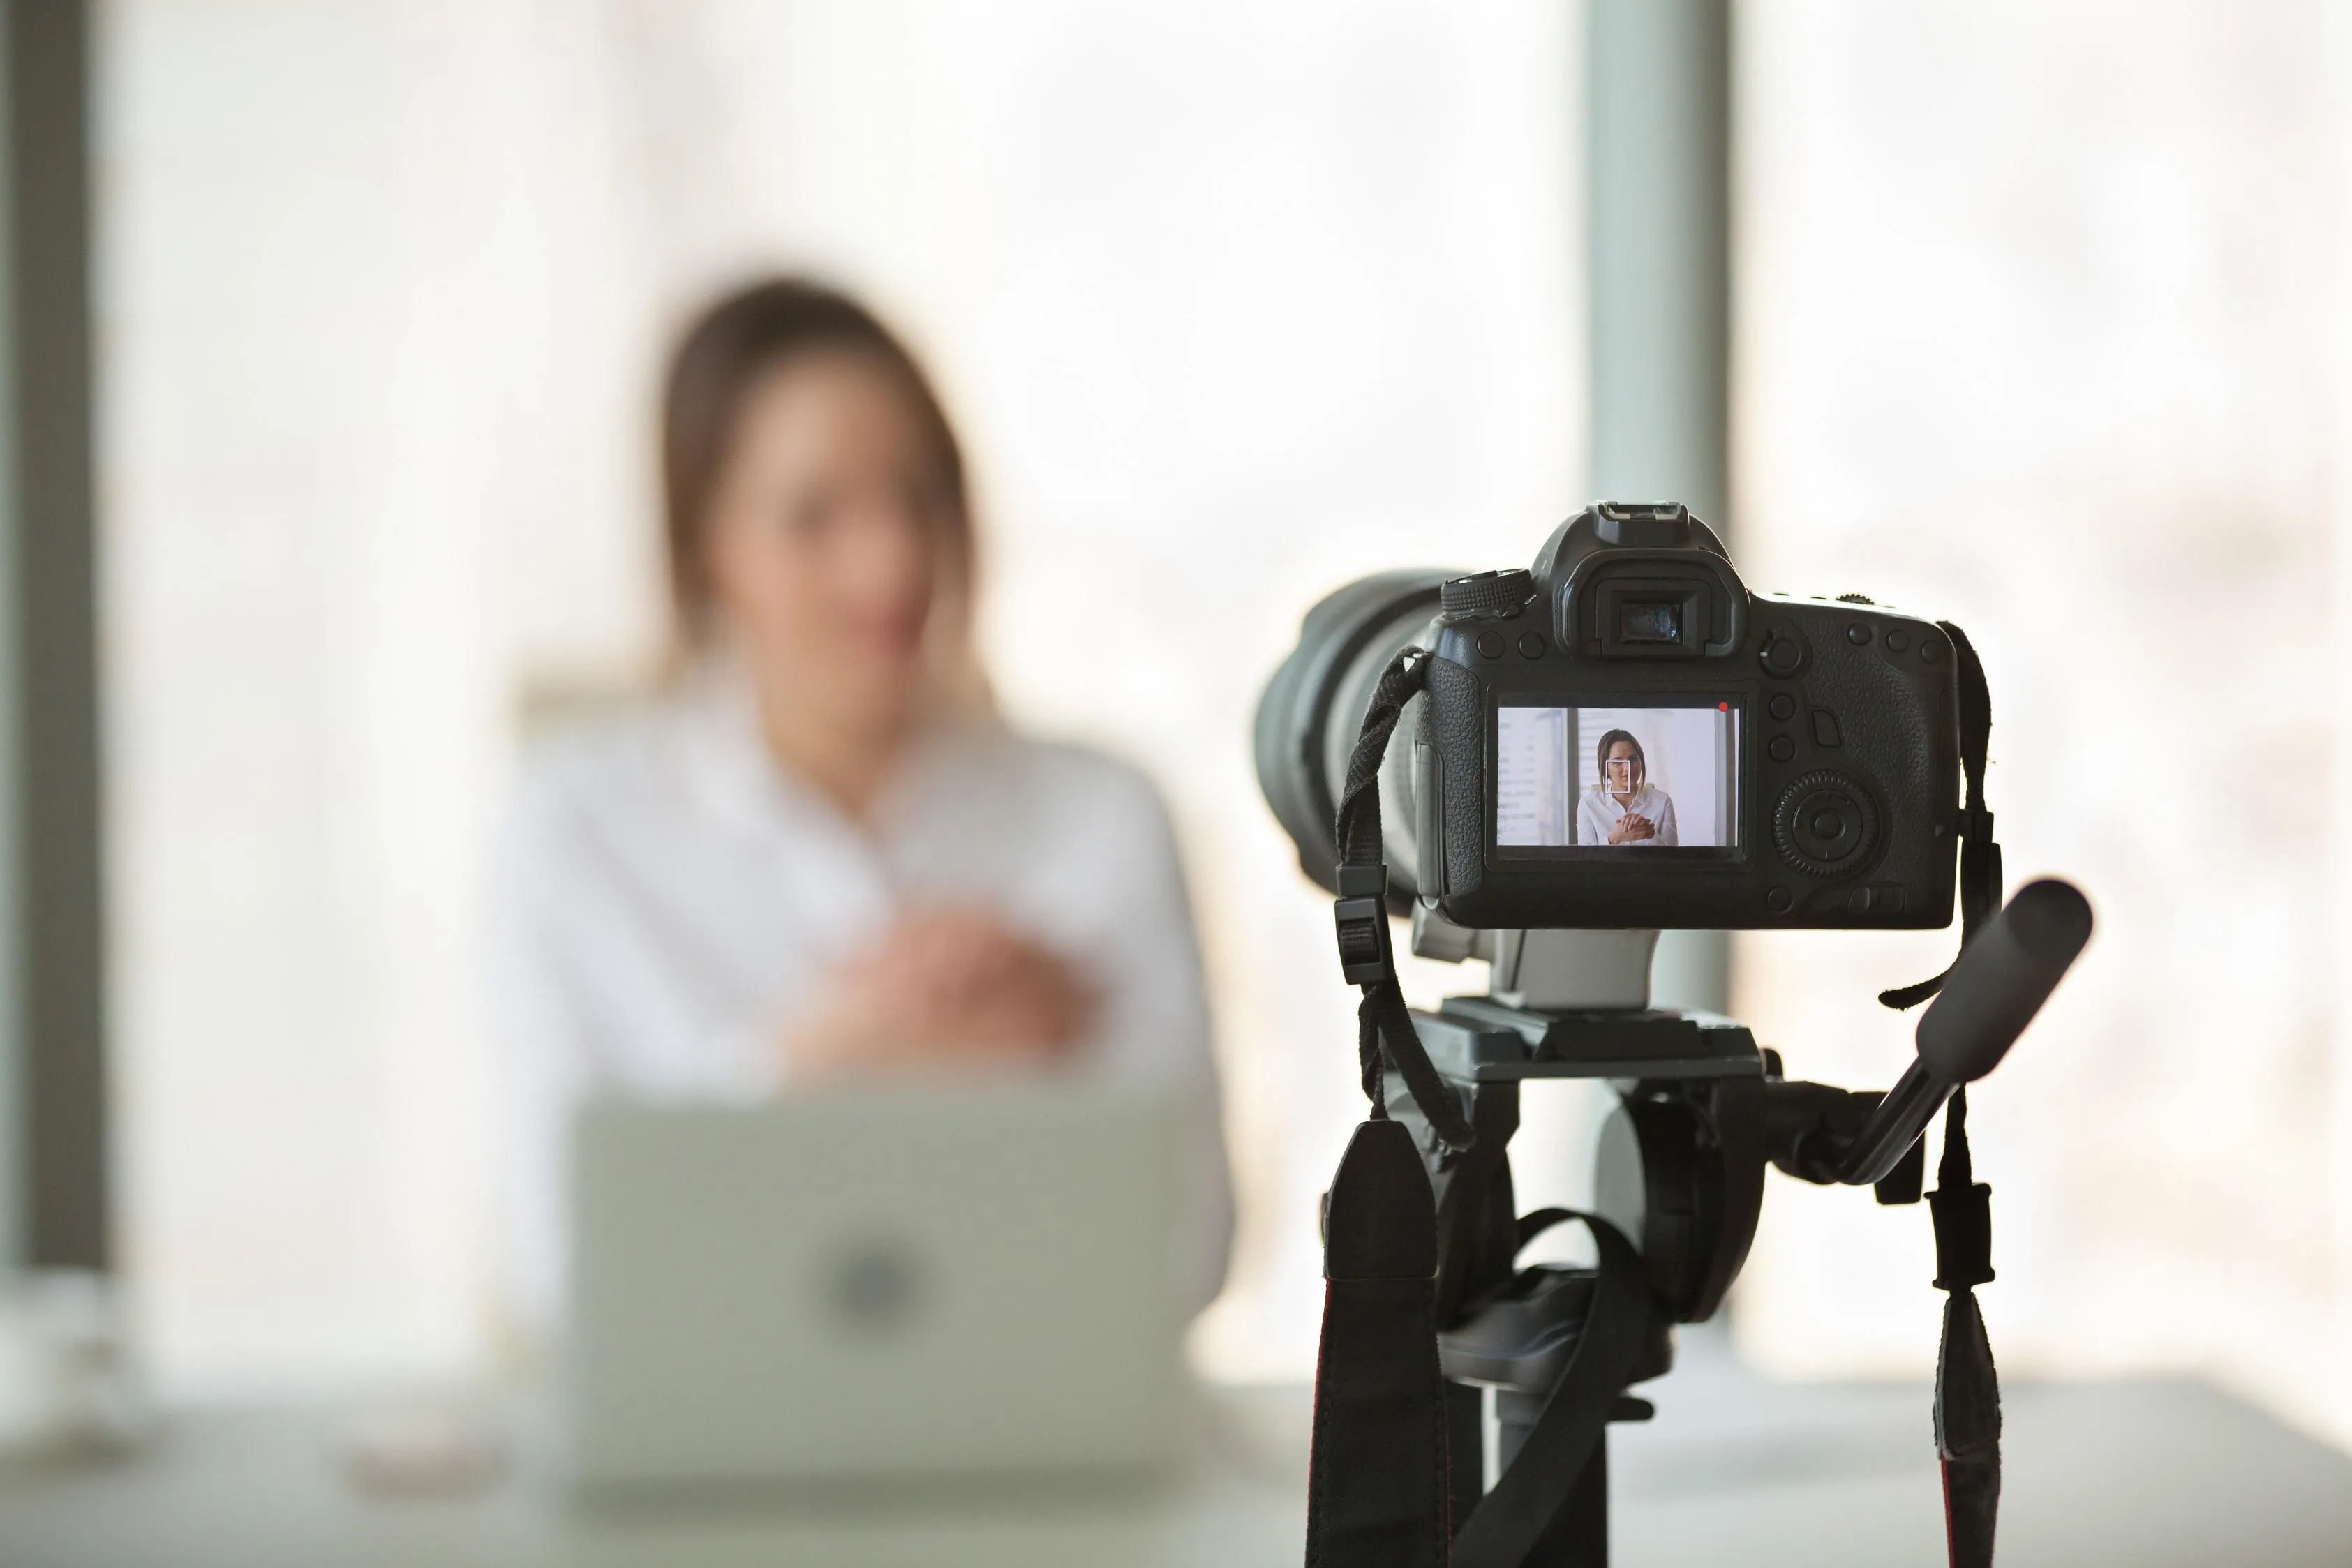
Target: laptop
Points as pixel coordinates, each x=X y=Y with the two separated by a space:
x=877 y=1284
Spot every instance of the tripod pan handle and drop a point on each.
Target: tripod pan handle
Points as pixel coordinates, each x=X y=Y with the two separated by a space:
x=2002 y=979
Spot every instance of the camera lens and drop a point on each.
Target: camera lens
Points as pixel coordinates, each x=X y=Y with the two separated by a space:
x=1650 y=621
x=1309 y=713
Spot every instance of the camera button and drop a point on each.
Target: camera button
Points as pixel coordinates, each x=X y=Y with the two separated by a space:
x=1780 y=900
x=1532 y=645
x=1782 y=705
x=1931 y=649
x=1857 y=634
x=1780 y=748
x=1490 y=644
x=1782 y=655
x=1825 y=729
x=1896 y=641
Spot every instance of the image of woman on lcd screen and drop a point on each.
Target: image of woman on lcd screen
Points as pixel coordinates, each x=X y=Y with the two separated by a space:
x=1624 y=809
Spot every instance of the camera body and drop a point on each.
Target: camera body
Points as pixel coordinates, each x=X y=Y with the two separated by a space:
x=1625 y=737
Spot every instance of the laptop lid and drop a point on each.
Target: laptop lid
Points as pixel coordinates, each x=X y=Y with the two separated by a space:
x=873 y=1282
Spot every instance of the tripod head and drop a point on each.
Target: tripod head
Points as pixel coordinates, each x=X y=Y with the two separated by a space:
x=1699 y=1111
x=1708 y=1108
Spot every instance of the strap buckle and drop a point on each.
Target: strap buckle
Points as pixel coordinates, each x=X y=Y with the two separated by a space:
x=1963 y=1220
x=1360 y=915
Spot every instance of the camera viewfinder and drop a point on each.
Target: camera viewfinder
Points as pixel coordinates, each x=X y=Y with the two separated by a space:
x=1649 y=620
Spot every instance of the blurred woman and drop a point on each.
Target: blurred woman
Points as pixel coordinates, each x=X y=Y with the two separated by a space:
x=819 y=855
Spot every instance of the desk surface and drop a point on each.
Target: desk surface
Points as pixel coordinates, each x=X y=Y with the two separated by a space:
x=1734 y=1470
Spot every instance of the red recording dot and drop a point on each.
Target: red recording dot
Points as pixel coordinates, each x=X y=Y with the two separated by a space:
x=1723 y=707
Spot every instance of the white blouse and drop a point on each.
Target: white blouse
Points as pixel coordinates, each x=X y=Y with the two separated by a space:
x=669 y=898
x=1599 y=812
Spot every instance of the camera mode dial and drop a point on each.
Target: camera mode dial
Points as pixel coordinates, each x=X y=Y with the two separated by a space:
x=1824 y=825
x=1488 y=596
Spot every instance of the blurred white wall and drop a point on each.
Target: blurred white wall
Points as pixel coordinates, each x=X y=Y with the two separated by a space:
x=1235 y=302
x=2043 y=330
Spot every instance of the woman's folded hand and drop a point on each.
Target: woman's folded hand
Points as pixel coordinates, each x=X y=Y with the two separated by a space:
x=1631 y=827
x=948 y=987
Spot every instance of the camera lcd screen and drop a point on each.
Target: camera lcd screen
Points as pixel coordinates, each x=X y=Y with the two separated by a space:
x=1619 y=779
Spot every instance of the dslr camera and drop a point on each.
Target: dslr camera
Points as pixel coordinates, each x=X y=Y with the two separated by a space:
x=1621 y=739
x=1626 y=736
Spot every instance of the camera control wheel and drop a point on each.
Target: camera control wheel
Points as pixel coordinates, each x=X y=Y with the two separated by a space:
x=1486 y=596
x=1824 y=825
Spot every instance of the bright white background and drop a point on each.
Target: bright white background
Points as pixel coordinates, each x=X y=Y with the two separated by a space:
x=1235 y=302
x=2044 y=329
x=2040 y=329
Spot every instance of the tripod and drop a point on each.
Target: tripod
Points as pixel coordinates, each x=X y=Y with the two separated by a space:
x=1699 y=1111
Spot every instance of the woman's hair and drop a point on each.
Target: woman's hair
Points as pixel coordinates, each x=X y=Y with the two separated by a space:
x=1600 y=757
x=719 y=361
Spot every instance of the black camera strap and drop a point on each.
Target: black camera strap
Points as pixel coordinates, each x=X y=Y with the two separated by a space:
x=1384 y=1024
x=1968 y=1389
x=1980 y=853
x=1377 y=1487
x=1377 y=1493
x=1516 y=1516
